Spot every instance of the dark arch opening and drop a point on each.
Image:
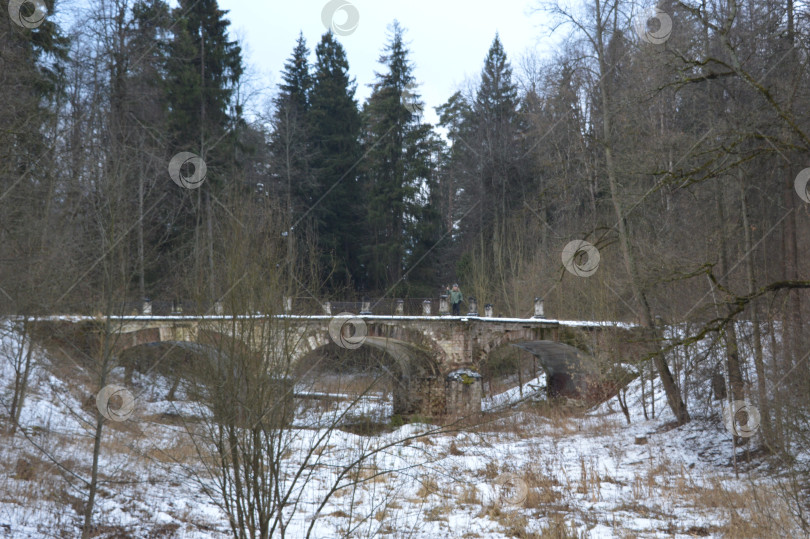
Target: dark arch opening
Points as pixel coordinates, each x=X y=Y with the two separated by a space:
x=575 y=374
x=374 y=355
x=506 y=367
x=381 y=368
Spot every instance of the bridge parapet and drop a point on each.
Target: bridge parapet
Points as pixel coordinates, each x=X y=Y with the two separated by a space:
x=427 y=348
x=289 y=305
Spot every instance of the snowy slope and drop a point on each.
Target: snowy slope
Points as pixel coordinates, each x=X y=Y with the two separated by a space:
x=593 y=473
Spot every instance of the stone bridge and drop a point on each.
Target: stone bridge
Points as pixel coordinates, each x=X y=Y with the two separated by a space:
x=436 y=358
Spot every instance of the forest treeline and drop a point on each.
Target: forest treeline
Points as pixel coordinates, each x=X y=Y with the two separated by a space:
x=653 y=153
x=678 y=155
x=136 y=162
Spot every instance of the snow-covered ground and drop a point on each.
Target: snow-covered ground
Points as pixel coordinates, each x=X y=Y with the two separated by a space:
x=532 y=389
x=525 y=470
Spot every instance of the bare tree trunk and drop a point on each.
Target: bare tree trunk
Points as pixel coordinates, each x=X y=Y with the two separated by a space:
x=621 y=396
x=520 y=376
x=210 y=224
x=93 y=484
x=643 y=392
x=670 y=386
x=22 y=372
x=141 y=262
x=792 y=262
x=759 y=363
x=652 y=394
x=735 y=389
x=792 y=254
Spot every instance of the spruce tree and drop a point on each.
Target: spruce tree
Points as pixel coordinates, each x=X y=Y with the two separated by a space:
x=426 y=244
x=203 y=70
x=297 y=77
x=488 y=169
x=459 y=163
x=402 y=218
x=32 y=63
x=334 y=128
x=388 y=124
x=145 y=108
x=496 y=114
x=289 y=139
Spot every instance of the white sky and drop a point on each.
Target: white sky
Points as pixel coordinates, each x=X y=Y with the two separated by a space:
x=448 y=39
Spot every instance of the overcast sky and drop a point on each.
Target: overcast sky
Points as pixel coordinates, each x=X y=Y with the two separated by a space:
x=448 y=39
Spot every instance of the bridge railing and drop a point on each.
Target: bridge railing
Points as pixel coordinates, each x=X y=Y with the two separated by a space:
x=166 y=307
x=308 y=306
x=380 y=306
x=302 y=306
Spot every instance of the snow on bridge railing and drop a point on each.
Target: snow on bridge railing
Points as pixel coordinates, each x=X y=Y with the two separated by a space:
x=188 y=317
x=310 y=308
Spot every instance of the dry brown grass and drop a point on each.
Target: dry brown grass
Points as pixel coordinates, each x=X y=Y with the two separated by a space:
x=504 y=515
x=515 y=524
x=542 y=490
x=24 y=470
x=754 y=511
x=757 y=511
x=438 y=513
x=427 y=487
x=590 y=483
x=491 y=470
x=468 y=495
x=553 y=418
x=558 y=528
x=180 y=452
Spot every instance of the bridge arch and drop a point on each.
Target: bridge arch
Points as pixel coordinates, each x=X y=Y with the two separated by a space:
x=410 y=348
x=412 y=351
x=565 y=354
x=413 y=370
x=486 y=343
x=191 y=334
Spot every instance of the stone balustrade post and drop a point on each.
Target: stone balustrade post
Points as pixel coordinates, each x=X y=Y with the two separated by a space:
x=400 y=307
x=366 y=307
x=488 y=310
x=327 y=308
x=473 y=307
x=538 y=308
x=147 y=307
x=444 y=305
x=426 y=307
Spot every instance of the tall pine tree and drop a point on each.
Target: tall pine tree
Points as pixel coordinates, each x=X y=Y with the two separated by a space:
x=397 y=174
x=203 y=71
x=487 y=167
x=496 y=114
x=289 y=140
x=334 y=129
x=388 y=123
x=204 y=68
x=32 y=63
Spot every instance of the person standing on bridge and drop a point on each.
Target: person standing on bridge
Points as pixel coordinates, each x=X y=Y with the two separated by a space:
x=456 y=297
